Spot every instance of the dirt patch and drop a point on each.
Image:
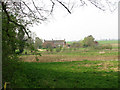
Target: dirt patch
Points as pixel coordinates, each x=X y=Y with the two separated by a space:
x=115 y=69
x=87 y=65
x=61 y=58
x=101 y=52
x=106 y=66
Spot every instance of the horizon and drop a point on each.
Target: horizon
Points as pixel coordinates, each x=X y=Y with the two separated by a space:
x=81 y=40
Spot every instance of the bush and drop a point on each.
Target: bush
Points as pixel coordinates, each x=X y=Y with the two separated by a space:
x=36 y=58
x=51 y=49
x=58 y=49
x=9 y=66
x=99 y=47
x=107 y=46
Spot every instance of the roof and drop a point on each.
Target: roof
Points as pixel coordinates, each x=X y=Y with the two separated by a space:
x=54 y=40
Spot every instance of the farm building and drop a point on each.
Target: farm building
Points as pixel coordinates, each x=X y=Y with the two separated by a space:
x=54 y=43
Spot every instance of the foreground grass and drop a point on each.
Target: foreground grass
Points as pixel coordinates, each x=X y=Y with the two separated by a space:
x=76 y=74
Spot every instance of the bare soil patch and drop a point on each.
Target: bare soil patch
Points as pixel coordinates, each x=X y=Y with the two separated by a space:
x=61 y=58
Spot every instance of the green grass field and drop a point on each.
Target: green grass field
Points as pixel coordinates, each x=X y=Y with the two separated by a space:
x=76 y=74
x=83 y=68
x=101 y=41
x=108 y=42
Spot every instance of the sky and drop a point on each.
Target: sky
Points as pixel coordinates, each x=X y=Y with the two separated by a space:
x=83 y=21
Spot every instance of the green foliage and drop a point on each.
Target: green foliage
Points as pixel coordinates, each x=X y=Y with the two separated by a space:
x=12 y=43
x=9 y=66
x=36 y=58
x=107 y=46
x=99 y=47
x=38 y=43
x=75 y=45
x=8 y=37
x=88 y=41
x=49 y=47
x=58 y=48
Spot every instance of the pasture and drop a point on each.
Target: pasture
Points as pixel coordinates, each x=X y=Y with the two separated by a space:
x=81 y=68
x=75 y=74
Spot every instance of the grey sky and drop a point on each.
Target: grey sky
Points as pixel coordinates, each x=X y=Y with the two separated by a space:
x=82 y=22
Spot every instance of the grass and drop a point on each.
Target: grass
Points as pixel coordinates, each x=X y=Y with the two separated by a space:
x=76 y=74
x=81 y=73
x=101 y=41
x=108 y=42
x=84 y=53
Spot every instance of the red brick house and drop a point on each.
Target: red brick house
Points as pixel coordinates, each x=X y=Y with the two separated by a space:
x=54 y=43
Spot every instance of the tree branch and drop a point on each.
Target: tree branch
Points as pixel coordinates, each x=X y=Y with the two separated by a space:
x=53 y=4
x=9 y=19
x=64 y=6
x=95 y=4
x=38 y=11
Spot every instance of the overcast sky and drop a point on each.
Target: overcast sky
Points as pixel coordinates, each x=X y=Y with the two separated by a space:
x=84 y=21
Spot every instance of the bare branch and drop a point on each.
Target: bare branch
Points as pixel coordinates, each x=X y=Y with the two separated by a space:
x=53 y=4
x=29 y=9
x=112 y=7
x=38 y=11
x=97 y=4
x=83 y=3
x=64 y=6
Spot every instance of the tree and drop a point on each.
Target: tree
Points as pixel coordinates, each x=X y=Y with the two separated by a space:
x=30 y=41
x=75 y=45
x=88 y=41
x=38 y=43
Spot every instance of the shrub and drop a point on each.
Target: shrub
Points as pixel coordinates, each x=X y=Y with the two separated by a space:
x=99 y=47
x=58 y=49
x=36 y=58
x=107 y=46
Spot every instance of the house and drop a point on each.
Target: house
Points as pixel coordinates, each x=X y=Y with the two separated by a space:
x=54 y=43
